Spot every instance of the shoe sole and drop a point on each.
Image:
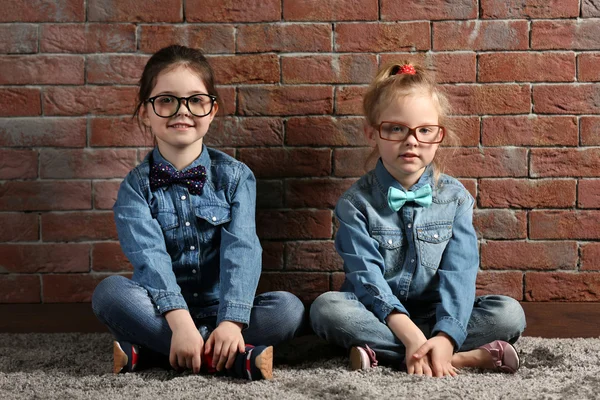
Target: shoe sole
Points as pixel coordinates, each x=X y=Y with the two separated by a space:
x=264 y=363
x=357 y=359
x=509 y=358
x=120 y=359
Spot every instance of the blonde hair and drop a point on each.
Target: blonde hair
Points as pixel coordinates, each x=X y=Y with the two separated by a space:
x=392 y=84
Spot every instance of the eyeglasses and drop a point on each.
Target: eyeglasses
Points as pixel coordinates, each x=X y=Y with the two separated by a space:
x=166 y=105
x=397 y=132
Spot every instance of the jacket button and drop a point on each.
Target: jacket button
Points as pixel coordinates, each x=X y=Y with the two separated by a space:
x=214 y=219
x=187 y=223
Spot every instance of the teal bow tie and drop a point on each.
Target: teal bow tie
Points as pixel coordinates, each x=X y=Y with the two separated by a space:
x=421 y=196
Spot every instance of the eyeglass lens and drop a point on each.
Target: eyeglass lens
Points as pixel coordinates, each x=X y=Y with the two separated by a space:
x=167 y=106
x=398 y=132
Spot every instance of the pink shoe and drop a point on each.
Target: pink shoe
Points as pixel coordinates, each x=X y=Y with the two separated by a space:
x=362 y=358
x=504 y=355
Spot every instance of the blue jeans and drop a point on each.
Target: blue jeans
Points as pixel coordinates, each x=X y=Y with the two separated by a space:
x=127 y=310
x=340 y=318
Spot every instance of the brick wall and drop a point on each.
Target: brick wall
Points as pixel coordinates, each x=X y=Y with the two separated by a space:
x=523 y=77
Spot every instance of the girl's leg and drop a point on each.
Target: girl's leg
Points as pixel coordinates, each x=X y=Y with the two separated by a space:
x=275 y=317
x=341 y=319
x=493 y=318
x=127 y=310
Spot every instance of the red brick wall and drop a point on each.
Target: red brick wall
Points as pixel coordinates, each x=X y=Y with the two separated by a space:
x=523 y=76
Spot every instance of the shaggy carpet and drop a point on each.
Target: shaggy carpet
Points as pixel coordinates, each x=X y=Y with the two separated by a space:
x=77 y=366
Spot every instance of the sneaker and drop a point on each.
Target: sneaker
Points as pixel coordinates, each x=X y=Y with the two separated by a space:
x=505 y=356
x=362 y=357
x=254 y=364
x=125 y=357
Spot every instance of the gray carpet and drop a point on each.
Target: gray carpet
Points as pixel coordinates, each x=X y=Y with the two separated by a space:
x=77 y=366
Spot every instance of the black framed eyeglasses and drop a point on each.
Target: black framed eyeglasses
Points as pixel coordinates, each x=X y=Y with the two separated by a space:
x=166 y=105
x=398 y=132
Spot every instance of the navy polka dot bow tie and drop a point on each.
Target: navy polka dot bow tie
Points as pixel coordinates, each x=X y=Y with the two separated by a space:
x=164 y=175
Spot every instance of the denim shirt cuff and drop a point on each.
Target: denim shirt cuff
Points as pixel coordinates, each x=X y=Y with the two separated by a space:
x=453 y=328
x=167 y=301
x=235 y=312
x=382 y=308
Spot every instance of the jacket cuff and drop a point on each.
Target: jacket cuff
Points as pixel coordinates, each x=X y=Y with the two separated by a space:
x=382 y=308
x=453 y=328
x=167 y=301
x=235 y=312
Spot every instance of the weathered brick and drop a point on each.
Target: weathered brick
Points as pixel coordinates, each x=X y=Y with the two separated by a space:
x=565 y=162
x=428 y=10
x=42 y=11
x=118 y=132
x=352 y=162
x=20 y=288
x=315 y=193
x=78 y=226
x=580 y=34
x=87 y=163
x=573 y=224
x=336 y=281
x=284 y=38
x=589 y=67
x=295 y=224
x=562 y=286
x=45 y=195
x=588 y=193
x=282 y=162
x=348 y=100
x=210 y=39
x=330 y=10
x=312 y=256
x=227 y=100
x=484 y=162
x=464 y=64
x=41 y=69
x=47 y=131
x=18 y=38
x=82 y=100
x=245 y=69
x=466 y=129
x=574 y=99
x=232 y=10
x=590 y=8
x=18 y=164
x=19 y=102
x=286 y=100
x=529 y=255
x=530 y=130
x=502 y=283
x=19 y=227
x=528 y=9
x=36 y=258
x=69 y=288
x=307 y=286
x=105 y=194
x=238 y=132
x=325 y=131
x=135 y=11
x=346 y=68
x=115 y=69
x=382 y=37
x=481 y=35
x=108 y=257
x=87 y=38
x=590 y=256
x=500 y=224
x=590 y=131
x=527 y=193
x=272 y=255
x=489 y=98
x=269 y=193
x=527 y=67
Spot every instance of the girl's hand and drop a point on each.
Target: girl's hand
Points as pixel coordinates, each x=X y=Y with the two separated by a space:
x=186 y=348
x=439 y=351
x=417 y=365
x=227 y=341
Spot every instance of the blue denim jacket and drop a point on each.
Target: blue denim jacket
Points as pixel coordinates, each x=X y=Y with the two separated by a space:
x=193 y=250
x=414 y=259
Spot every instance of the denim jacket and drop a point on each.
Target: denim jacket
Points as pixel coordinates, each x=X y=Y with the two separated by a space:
x=414 y=259
x=193 y=250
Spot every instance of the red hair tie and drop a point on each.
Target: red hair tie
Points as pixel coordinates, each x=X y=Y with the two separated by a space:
x=406 y=69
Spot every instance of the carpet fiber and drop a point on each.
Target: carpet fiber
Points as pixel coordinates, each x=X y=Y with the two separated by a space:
x=77 y=366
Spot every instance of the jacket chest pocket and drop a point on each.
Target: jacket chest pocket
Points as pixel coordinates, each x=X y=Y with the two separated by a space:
x=211 y=219
x=432 y=240
x=391 y=249
x=169 y=222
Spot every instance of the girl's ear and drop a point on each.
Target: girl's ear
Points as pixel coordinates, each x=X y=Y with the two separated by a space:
x=144 y=116
x=214 y=111
x=370 y=133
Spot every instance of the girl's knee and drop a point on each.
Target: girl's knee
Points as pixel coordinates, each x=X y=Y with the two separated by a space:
x=510 y=316
x=107 y=292
x=329 y=307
